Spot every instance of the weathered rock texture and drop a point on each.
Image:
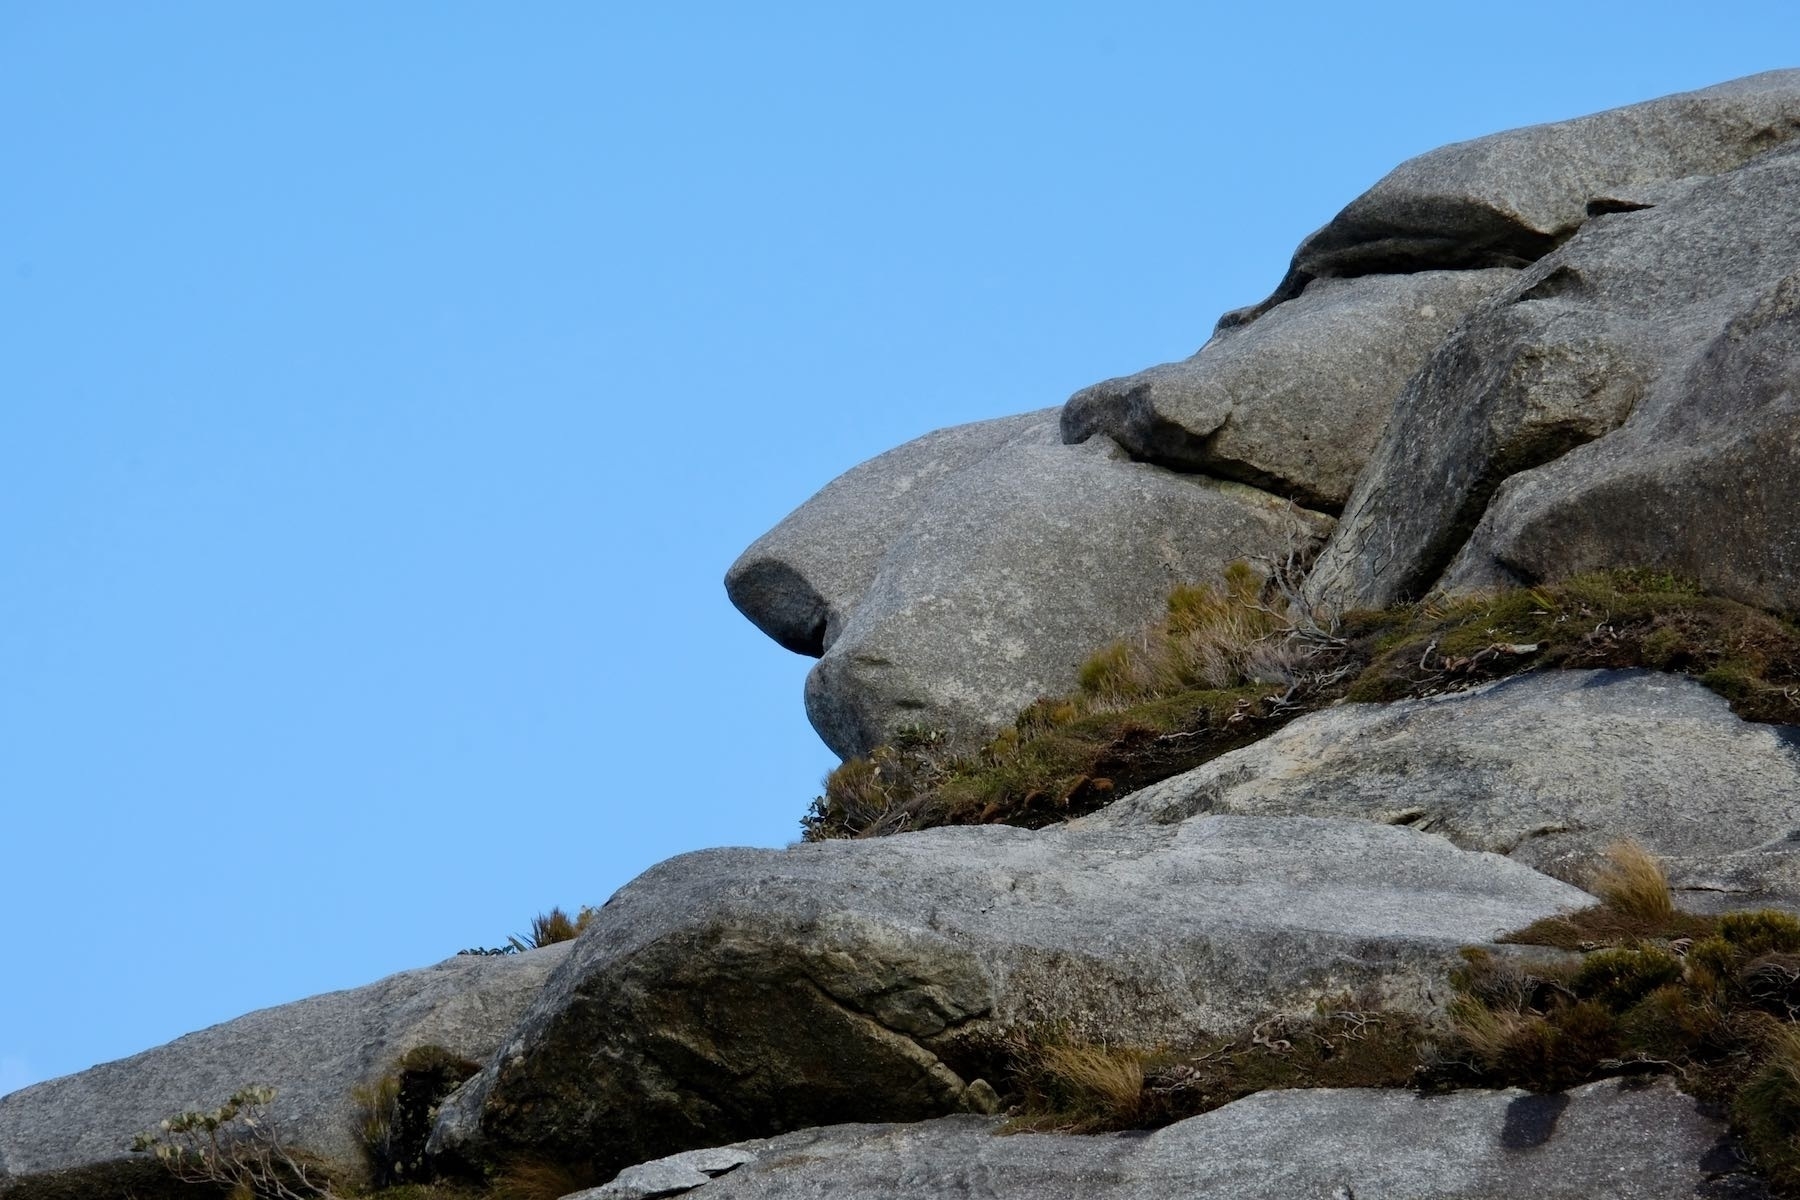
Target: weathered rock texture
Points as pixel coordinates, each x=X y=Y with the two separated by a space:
x=1667 y=333
x=1508 y=199
x=1296 y=402
x=735 y=993
x=800 y=580
x=61 y=1137
x=1016 y=568
x=1700 y=481
x=1549 y=768
x=1620 y=1139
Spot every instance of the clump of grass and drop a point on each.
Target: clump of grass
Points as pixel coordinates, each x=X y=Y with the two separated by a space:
x=1767 y=1108
x=539 y=1179
x=1231 y=661
x=1079 y=1087
x=555 y=926
x=1636 y=903
x=1712 y=1000
x=1083 y=1088
x=1632 y=884
x=398 y=1110
x=1225 y=664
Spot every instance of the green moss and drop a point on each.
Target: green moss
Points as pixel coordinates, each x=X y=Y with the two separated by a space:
x=1621 y=976
x=1761 y=932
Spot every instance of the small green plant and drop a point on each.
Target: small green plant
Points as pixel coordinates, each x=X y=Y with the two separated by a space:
x=237 y=1147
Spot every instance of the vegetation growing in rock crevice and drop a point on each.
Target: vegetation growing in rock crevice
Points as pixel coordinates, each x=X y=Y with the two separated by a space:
x=398 y=1111
x=1230 y=663
x=1632 y=985
x=547 y=929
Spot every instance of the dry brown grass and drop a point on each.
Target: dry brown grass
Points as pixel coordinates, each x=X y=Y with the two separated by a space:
x=1214 y=637
x=1635 y=903
x=532 y=1179
x=1631 y=882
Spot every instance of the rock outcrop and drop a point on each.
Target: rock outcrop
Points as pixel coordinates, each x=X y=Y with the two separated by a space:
x=1508 y=199
x=1540 y=352
x=1005 y=577
x=736 y=993
x=1549 y=769
x=70 y=1136
x=1513 y=359
x=801 y=580
x=1294 y=403
x=1616 y=1138
x=1667 y=334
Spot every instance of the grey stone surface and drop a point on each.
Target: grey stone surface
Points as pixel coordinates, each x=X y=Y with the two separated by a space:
x=1622 y=1140
x=312 y=1052
x=1296 y=402
x=1666 y=334
x=1018 y=569
x=1508 y=198
x=1549 y=768
x=1700 y=481
x=797 y=582
x=670 y=1176
x=735 y=993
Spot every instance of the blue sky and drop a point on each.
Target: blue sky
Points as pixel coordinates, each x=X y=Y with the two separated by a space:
x=384 y=390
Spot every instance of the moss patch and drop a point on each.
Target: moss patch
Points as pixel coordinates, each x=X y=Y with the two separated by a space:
x=1229 y=664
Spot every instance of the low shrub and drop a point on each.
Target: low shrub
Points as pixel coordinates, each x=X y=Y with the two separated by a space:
x=238 y=1148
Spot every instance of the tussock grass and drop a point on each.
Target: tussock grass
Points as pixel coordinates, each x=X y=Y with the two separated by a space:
x=1636 y=903
x=1230 y=662
x=1076 y=1087
x=1632 y=884
x=1767 y=1108
x=1226 y=663
x=539 y=1179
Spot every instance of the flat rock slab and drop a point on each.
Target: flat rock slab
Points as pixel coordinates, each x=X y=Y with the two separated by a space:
x=313 y=1052
x=1550 y=768
x=1615 y=1139
x=734 y=993
x=1016 y=570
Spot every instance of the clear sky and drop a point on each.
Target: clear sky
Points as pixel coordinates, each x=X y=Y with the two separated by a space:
x=385 y=388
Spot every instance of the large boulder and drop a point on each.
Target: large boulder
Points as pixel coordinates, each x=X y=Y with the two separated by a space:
x=1548 y=768
x=1699 y=481
x=69 y=1137
x=1666 y=333
x=1296 y=402
x=1509 y=198
x=1616 y=1138
x=738 y=993
x=799 y=581
x=1016 y=570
